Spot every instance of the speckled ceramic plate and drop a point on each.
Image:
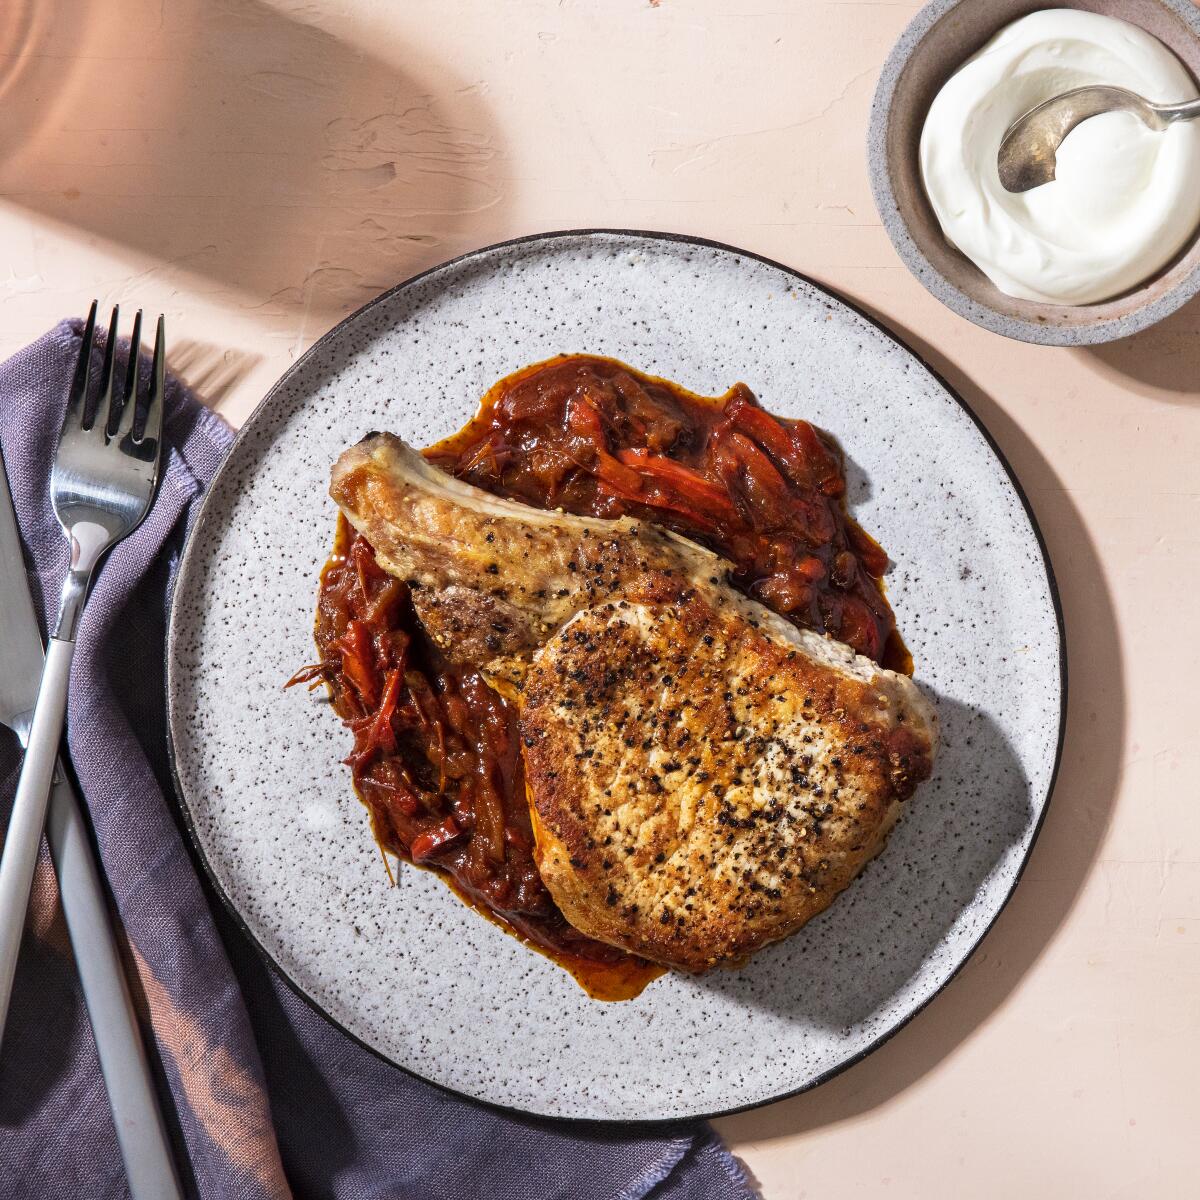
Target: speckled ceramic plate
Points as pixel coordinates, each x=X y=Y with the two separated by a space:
x=410 y=971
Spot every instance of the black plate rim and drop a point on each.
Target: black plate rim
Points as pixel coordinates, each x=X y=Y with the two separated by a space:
x=643 y=1123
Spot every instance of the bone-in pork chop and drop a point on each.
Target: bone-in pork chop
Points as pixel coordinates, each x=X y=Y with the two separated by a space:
x=704 y=777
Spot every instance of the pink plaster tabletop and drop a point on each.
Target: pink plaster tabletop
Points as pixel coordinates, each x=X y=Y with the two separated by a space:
x=257 y=168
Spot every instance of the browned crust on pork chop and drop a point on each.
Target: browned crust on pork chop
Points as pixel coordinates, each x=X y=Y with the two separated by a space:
x=700 y=786
x=529 y=569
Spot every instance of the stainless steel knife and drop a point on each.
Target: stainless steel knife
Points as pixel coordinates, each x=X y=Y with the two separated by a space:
x=141 y=1131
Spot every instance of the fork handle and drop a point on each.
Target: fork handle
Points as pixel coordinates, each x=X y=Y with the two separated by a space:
x=18 y=861
x=28 y=818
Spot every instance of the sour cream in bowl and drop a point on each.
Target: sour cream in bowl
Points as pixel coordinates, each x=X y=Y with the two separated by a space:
x=1125 y=199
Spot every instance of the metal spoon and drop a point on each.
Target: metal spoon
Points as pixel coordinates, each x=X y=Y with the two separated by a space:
x=1027 y=153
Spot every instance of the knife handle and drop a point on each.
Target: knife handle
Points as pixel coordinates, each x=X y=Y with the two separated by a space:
x=141 y=1131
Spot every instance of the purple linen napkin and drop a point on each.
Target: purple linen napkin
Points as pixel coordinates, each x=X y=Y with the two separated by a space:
x=269 y=1100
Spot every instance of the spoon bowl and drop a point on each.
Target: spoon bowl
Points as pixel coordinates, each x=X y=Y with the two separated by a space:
x=1028 y=151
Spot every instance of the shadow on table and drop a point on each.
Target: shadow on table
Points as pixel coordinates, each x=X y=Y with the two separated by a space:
x=215 y=136
x=1074 y=827
x=211 y=372
x=1162 y=362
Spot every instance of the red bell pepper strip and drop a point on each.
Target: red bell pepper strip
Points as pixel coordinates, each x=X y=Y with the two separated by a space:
x=870 y=553
x=625 y=481
x=380 y=735
x=355 y=648
x=690 y=486
x=425 y=845
x=758 y=424
x=489 y=813
x=826 y=472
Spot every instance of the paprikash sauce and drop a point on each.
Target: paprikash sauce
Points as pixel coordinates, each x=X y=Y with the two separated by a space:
x=436 y=755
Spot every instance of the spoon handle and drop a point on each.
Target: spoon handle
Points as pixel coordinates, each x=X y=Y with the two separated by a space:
x=1187 y=111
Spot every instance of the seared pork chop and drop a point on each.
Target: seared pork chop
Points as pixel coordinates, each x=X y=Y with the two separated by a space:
x=704 y=777
x=703 y=787
x=485 y=569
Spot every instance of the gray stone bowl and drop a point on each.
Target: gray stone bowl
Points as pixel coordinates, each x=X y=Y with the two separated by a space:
x=943 y=35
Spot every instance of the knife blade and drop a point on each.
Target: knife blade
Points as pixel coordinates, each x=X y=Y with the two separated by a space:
x=141 y=1131
x=20 y=639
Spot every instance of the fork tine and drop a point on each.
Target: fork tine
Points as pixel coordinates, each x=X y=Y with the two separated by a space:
x=154 y=410
x=103 y=413
x=77 y=397
x=129 y=396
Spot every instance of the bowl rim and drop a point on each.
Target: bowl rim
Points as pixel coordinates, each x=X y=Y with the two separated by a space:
x=895 y=220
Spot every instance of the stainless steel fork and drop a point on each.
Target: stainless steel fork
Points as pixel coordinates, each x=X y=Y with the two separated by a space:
x=102 y=483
